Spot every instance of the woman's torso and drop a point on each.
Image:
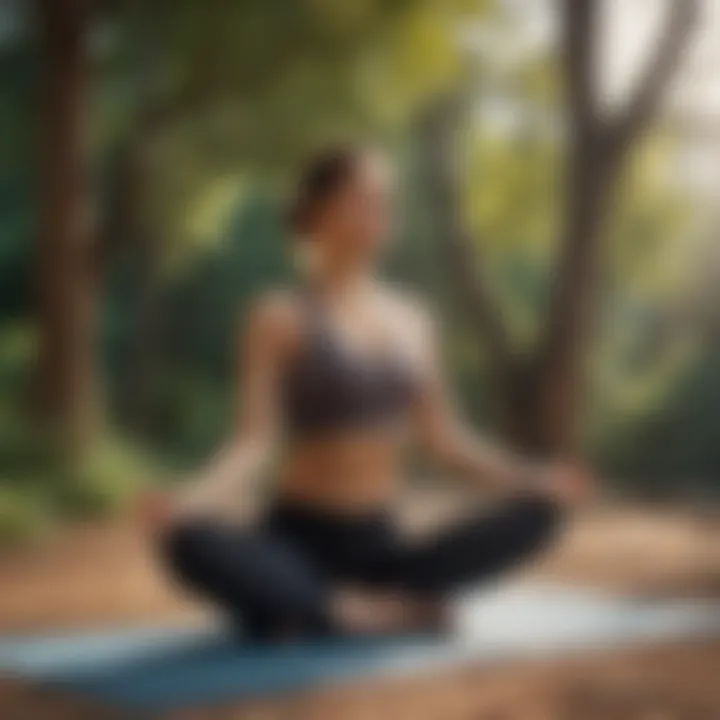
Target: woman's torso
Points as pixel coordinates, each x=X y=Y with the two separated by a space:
x=347 y=393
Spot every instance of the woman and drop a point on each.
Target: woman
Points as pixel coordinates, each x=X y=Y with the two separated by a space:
x=345 y=369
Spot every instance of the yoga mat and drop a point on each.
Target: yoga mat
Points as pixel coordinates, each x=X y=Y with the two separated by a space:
x=156 y=668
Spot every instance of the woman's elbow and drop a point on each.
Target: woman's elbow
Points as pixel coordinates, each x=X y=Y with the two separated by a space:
x=439 y=444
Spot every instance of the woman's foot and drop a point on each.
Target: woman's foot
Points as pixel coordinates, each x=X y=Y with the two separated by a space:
x=361 y=612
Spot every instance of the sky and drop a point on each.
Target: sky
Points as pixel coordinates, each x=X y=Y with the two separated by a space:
x=629 y=30
x=633 y=27
x=694 y=96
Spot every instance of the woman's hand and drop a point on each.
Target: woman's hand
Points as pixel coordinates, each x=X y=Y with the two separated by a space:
x=569 y=483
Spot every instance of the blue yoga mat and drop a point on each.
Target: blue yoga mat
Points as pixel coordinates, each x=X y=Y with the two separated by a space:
x=155 y=668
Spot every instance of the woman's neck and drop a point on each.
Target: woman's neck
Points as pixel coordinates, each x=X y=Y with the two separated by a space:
x=342 y=281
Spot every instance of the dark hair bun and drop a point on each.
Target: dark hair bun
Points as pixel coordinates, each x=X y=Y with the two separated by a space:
x=323 y=174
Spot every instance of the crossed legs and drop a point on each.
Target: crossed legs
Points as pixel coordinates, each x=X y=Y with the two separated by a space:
x=268 y=579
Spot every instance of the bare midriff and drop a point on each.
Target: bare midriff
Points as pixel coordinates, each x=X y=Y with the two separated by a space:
x=352 y=473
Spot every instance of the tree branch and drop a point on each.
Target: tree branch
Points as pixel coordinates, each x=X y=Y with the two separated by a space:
x=642 y=105
x=440 y=127
x=579 y=24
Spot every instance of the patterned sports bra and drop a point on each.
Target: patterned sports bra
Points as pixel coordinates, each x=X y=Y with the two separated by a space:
x=329 y=388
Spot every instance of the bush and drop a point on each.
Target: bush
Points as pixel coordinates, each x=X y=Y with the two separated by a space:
x=103 y=483
x=39 y=488
x=38 y=485
x=23 y=514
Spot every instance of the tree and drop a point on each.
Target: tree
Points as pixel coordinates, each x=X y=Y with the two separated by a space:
x=539 y=392
x=65 y=381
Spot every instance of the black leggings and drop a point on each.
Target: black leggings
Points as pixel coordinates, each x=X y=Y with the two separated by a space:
x=280 y=572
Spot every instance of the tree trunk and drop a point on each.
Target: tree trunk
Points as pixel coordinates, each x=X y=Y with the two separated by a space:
x=540 y=396
x=560 y=366
x=65 y=373
x=141 y=367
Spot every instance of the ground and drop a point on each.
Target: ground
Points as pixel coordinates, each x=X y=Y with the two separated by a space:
x=100 y=575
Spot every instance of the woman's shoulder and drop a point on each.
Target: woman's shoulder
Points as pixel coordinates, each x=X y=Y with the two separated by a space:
x=276 y=313
x=408 y=309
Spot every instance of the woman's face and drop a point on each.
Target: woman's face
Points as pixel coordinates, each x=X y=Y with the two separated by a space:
x=357 y=220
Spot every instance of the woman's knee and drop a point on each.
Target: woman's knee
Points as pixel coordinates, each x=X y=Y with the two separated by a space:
x=188 y=549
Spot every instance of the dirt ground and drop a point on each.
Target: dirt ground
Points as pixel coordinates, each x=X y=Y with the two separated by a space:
x=102 y=575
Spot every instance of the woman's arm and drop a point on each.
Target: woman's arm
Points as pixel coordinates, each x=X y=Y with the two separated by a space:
x=458 y=446
x=237 y=464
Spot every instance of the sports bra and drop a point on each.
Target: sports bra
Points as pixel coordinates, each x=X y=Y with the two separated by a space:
x=329 y=388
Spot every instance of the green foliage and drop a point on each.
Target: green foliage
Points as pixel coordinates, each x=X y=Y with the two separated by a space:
x=39 y=485
x=673 y=435
x=105 y=481
x=510 y=170
x=211 y=91
x=23 y=514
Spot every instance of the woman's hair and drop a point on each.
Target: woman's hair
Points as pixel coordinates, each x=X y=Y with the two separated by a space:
x=321 y=177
